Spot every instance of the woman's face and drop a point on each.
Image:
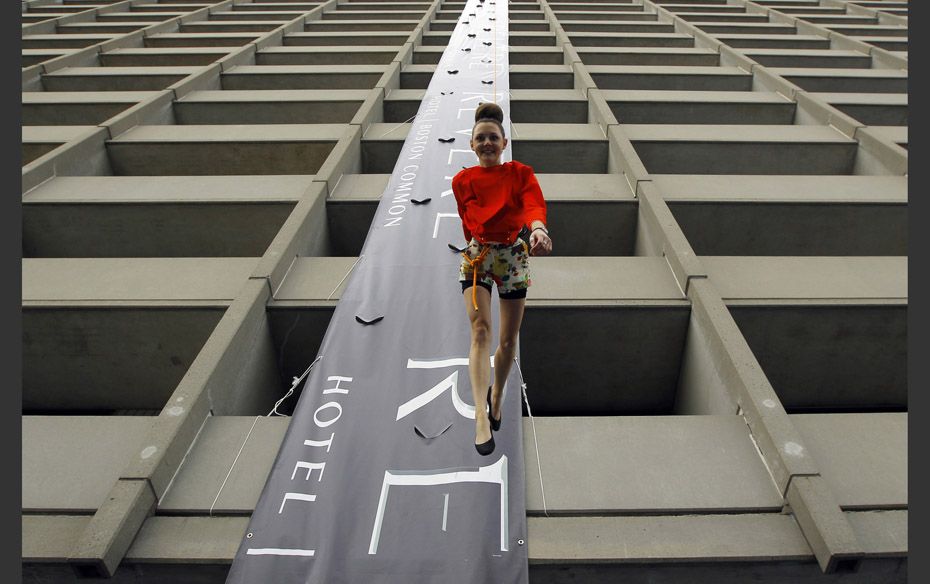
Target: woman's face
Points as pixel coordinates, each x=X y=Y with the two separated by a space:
x=488 y=143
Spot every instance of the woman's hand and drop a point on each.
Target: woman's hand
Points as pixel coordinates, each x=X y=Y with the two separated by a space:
x=540 y=242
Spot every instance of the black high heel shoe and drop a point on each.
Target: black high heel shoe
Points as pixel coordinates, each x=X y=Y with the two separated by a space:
x=495 y=424
x=485 y=448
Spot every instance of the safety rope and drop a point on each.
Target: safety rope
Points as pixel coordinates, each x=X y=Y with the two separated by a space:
x=233 y=465
x=357 y=260
x=274 y=411
x=526 y=400
x=475 y=264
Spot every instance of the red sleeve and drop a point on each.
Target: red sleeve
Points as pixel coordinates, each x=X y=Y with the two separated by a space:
x=462 y=193
x=534 y=205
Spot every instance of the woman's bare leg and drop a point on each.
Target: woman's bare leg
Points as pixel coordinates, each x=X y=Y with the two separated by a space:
x=479 y=358
x=511 y=318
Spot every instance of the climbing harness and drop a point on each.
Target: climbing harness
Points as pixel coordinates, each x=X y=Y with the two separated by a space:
x=475 y=264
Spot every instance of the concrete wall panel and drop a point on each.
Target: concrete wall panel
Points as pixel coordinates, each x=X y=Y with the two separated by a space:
x=863 y=457
x=830 y=358
x=712 y=466
x=227 y=466
x=108 y=358
x=70 y=463
x=616 y=369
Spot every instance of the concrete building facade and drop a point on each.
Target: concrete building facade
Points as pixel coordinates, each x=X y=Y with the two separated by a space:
x=727 y=190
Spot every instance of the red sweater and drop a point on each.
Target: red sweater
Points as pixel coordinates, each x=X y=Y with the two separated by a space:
x=496 y=202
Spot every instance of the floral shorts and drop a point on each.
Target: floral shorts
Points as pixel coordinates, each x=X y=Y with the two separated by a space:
x=508 y=266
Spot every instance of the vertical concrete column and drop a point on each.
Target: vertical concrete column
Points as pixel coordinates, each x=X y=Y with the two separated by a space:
x=789 y=461
x=223 y=364
x=811 y=109
x=83 y=156
x=824 y=525
x=659 y=225
x=622 y=157
x=113 y=528
x=306 y=231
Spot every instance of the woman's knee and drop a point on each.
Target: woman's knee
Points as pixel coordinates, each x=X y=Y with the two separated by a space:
x=480 y=330
x=508 y=344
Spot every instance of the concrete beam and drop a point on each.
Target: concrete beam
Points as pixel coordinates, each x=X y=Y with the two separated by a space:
x=666 y=237
x=565 y=106
x=782 y=188
x=48 y=538
x=301 y=55
x=536 y=77
x=114 y=78
x=228 y=26
x=595 y=16
x=699 y=107
x=814 y=58
x=678 y=78
x=44 y=108
x=582 y=545
x=200 y=540
x=68 y=41
x=882 y=30
x=302 y=77
x=94 y=26
x=192 y=39
x=137 y=16
x=755 y=227
x=38 y=141
x=700 y=16
x=257 y=15
x=228 y=149
x=201 y=486
x=544 y=147
x=156 y=110
x=600 y=540
x=588 y=27
x=112 y=529
x=359 y=25
x=748 y=149
x=825 y=527
x=871 y=109
x=632 y=39
x=336 y=38
x=157 y=281
x=304 y=233
x=236 y=359
x=652 y=56
x=57 y=477
x=712 y=466
x=773 y=41
x=863 y=457
x=163 y=57
x=800 y=279
x=779 y=442
x=291 y=106
x=85 y=156
x=596 y=213
x=618 y=483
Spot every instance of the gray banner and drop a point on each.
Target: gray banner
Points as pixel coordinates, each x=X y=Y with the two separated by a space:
x=377 y=479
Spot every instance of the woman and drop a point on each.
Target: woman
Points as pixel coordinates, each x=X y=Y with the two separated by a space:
x=495 y=202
